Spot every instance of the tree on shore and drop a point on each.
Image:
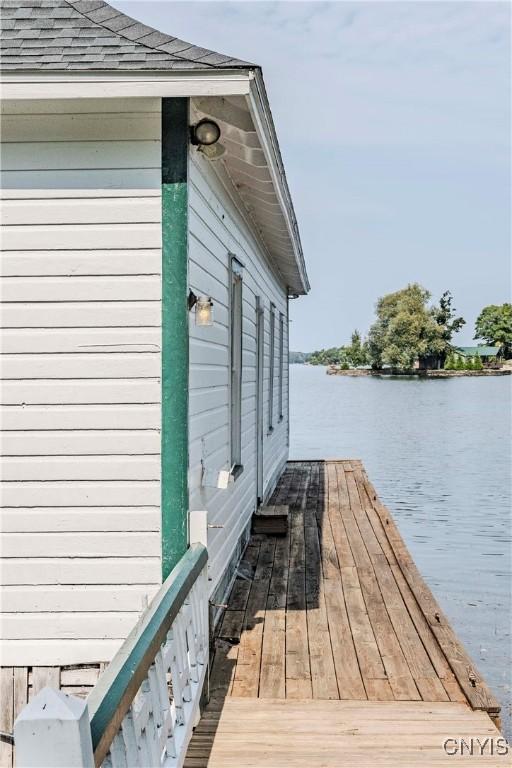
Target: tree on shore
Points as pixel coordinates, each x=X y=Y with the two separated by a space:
x=494 y=326
x=445 y=316
x=356 y=353
x=353 y=355
x=331 y=356
x=477 y=363
x=407 y=329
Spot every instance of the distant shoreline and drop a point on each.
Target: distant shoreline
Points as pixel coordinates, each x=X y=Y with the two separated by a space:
x=424 y=374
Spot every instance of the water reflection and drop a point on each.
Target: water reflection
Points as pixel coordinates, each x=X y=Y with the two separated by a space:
x=439 y=454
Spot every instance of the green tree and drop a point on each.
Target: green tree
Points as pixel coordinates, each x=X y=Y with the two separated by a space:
x=332 y=356
x=459 y=363
x=469 y=364
x=406 y=329
x=356 y=353
x=494 y=326
x=444 y=314
x=477 y=363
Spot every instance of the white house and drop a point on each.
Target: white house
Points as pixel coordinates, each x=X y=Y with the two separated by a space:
x=121 y=412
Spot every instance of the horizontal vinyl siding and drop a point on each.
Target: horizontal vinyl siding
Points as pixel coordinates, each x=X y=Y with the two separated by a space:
x=69 y=519
x=93 y=598
x=80 y=396
x=217 y=230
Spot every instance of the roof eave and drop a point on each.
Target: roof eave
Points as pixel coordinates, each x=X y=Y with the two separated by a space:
x=262 y=117
x=236 y=81
x=104 y=83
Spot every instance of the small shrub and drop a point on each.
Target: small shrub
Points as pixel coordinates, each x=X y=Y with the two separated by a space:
x=449 y=363
x=468 y=364
x=459 y=363
x=477 y=363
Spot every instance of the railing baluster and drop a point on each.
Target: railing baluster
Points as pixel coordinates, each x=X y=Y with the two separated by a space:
x=161 y=703
x=144 y=748
x=182 y=656
x=191 y=642
x=154 y=720
x=196 y=623
x=140 y=713
x=153 y=691
x=130 y=740
x=167 y=737
x=153 y=741
x=135 y=721
x=177 y=687
x=199 y=623
x=118 y=752
x=202 y=599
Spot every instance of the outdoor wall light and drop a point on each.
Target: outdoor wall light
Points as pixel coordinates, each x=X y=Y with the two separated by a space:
x=205 y=133
x=203 y=308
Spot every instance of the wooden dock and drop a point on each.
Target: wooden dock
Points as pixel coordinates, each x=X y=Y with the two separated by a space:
x=333 y=650
x=286 y=733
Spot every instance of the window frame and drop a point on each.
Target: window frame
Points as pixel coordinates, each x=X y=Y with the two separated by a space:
x=271 y=366
x=281 y=367
x=236 y=364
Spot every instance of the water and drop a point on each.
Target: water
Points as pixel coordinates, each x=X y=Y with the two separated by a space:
x=438 y=452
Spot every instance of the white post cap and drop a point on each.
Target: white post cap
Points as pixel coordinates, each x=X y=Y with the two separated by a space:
x=53 y=731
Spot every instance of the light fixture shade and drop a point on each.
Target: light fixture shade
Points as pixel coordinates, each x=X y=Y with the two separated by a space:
x=206 y=132
x=204 y=311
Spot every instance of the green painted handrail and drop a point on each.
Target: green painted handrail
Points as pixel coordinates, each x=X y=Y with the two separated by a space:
x=110 y=699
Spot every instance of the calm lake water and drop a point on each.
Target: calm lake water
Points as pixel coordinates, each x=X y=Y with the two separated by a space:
x=439 y=454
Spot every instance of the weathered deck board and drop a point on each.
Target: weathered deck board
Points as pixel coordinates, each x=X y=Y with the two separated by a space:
x=6 y=714
x=285 y=733
x=474 y=687
x=227 y=644
x=337 y=610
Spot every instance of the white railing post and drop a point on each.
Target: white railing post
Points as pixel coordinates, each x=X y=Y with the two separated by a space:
x=198 y=526
x=53 y=731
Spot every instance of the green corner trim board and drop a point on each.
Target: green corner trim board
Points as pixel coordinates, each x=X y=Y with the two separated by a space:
x=175 y=364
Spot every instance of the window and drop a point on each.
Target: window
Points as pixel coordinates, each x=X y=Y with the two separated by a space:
x=271 y=368
x=281 y=364
x=236 y=365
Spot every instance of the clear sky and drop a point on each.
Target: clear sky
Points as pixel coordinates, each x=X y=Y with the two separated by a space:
x=394 y=124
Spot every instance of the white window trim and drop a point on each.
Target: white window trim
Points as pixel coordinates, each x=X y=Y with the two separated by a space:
x=271 y=366
x=281 y=367
x=236 y=364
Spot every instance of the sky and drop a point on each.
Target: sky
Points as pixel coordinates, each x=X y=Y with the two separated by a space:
x=394 y=124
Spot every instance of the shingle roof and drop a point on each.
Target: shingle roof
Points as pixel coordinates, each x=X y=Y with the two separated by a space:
x=483 y=351
x=92 y=35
